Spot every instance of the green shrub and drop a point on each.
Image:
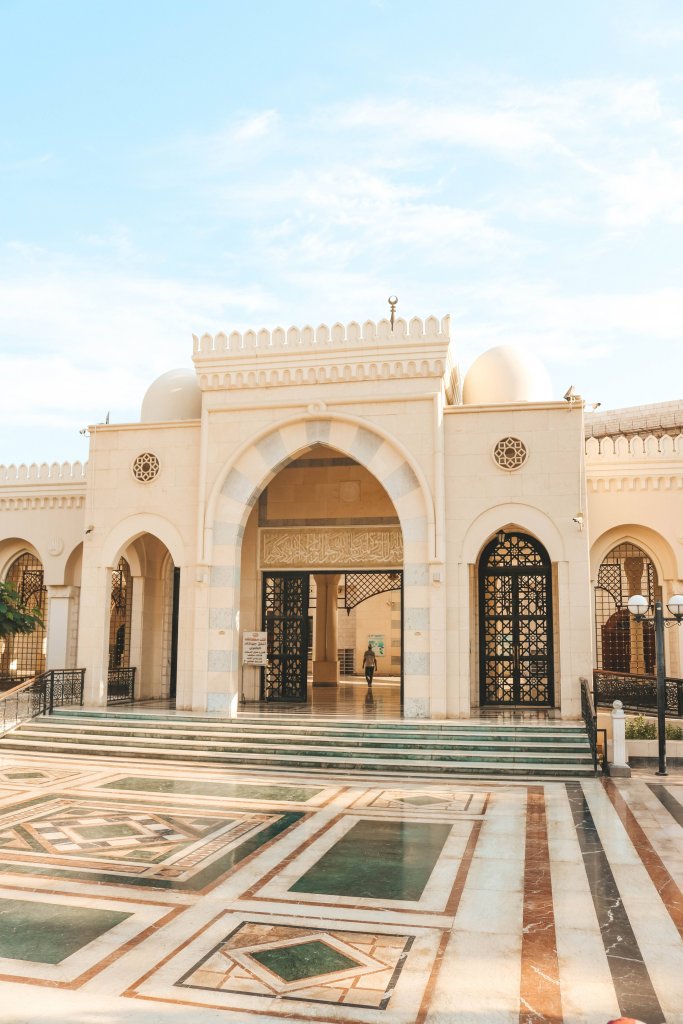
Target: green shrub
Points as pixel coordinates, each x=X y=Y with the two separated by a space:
x=639 y=728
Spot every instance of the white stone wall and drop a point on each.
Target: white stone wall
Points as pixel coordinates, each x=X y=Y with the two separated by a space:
x=541 y=498
x=635 y=493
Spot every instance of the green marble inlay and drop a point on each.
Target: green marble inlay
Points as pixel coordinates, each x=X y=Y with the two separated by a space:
x=307 y=960
x=26 y=775
x=106 y=831
x=47 y=933
x=138 y=784
x=382 y=860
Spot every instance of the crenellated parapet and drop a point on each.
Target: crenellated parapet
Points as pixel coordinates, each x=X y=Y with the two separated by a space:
x=318 y=355
x=43 y=485
x=55 y=472
x=615 y=463
x=617 y=448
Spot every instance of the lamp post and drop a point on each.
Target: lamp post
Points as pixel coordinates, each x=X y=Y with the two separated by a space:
x=639 y=607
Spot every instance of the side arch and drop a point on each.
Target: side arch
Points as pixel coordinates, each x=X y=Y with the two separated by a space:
x=655 y=546
x=129 y=529
x=512 y=516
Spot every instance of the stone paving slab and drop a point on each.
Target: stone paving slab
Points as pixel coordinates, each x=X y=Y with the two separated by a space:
x=143 y=893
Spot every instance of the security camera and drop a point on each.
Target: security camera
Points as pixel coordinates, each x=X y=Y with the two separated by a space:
x=569 y=394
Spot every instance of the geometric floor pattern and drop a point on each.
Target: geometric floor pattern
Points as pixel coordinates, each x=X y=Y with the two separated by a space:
x=141 y=893
x=174 y=847
x=312 y=964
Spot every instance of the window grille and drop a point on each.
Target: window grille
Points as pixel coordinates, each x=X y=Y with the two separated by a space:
x=24 y=654
x=347 y=661
x=623 y=645
x=120 y=616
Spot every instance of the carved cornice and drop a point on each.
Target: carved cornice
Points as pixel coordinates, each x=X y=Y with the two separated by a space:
x=634 y=482
x=324 y=547
x=22 y=502
x=324 y=355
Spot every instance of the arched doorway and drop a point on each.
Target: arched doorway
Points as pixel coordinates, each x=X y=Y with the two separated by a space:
x=515 y=623
x=24 y=654
x=143 y=623
x=318 y=625
x=322 y=576
x=623 y=645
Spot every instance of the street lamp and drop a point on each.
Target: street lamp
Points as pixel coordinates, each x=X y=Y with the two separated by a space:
x=639 y=607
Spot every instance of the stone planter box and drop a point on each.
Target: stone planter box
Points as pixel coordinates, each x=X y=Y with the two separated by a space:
x=647 y=750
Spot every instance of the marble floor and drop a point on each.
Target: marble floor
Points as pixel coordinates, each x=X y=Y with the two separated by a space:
x=139 y=893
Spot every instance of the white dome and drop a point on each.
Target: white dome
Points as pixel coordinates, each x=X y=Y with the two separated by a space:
x=175 y=395
x=505 y=374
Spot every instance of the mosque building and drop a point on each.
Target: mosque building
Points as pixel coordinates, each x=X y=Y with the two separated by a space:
x=341 y=486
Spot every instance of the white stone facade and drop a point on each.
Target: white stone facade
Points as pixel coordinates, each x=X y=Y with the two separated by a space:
x=397 y=473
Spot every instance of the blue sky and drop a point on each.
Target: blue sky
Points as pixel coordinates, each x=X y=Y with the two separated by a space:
x=176 y=167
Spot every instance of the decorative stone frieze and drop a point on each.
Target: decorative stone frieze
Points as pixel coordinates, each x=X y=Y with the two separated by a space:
x=44 y=486
x=634 y=463
x=328 y=547
x=327 y=355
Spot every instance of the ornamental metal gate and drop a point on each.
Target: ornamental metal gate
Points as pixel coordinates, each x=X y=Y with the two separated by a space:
x=285 y=620
x=515 y=623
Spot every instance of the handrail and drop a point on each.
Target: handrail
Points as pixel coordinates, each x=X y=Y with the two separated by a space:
x=637 y=692
x=58 y=687
x=591 y=720
x=20 y=686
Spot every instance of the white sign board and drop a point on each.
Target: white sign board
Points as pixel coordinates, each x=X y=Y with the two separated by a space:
x=376 y=641
x=254 y=648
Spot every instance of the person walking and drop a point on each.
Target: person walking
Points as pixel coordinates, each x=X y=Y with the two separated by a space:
x=369 y=664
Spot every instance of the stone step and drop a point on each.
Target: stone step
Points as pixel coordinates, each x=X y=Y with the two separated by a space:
x=281 y=744
x=294 y=724
x=339 y=753
x=399 y=765
x=462 y=740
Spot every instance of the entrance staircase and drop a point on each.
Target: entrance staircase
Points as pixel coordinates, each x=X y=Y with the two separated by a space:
x=278 y=743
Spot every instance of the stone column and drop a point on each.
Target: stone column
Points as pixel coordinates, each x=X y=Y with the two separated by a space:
x=93 y=641
x=60 y=614
x=137 y=599
x=619 y=764
x=326 y=662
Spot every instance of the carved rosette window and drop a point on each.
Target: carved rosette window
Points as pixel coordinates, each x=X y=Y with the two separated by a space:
x=510 y=453
x=145 y=467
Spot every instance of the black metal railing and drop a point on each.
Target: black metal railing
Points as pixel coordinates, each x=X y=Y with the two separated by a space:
x=121 y=686
x=56 y=688
x=591 y=720
x=636 y=693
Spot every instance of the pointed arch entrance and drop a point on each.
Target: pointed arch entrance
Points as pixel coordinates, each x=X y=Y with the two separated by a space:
x=515 y=623
x=229 y=509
